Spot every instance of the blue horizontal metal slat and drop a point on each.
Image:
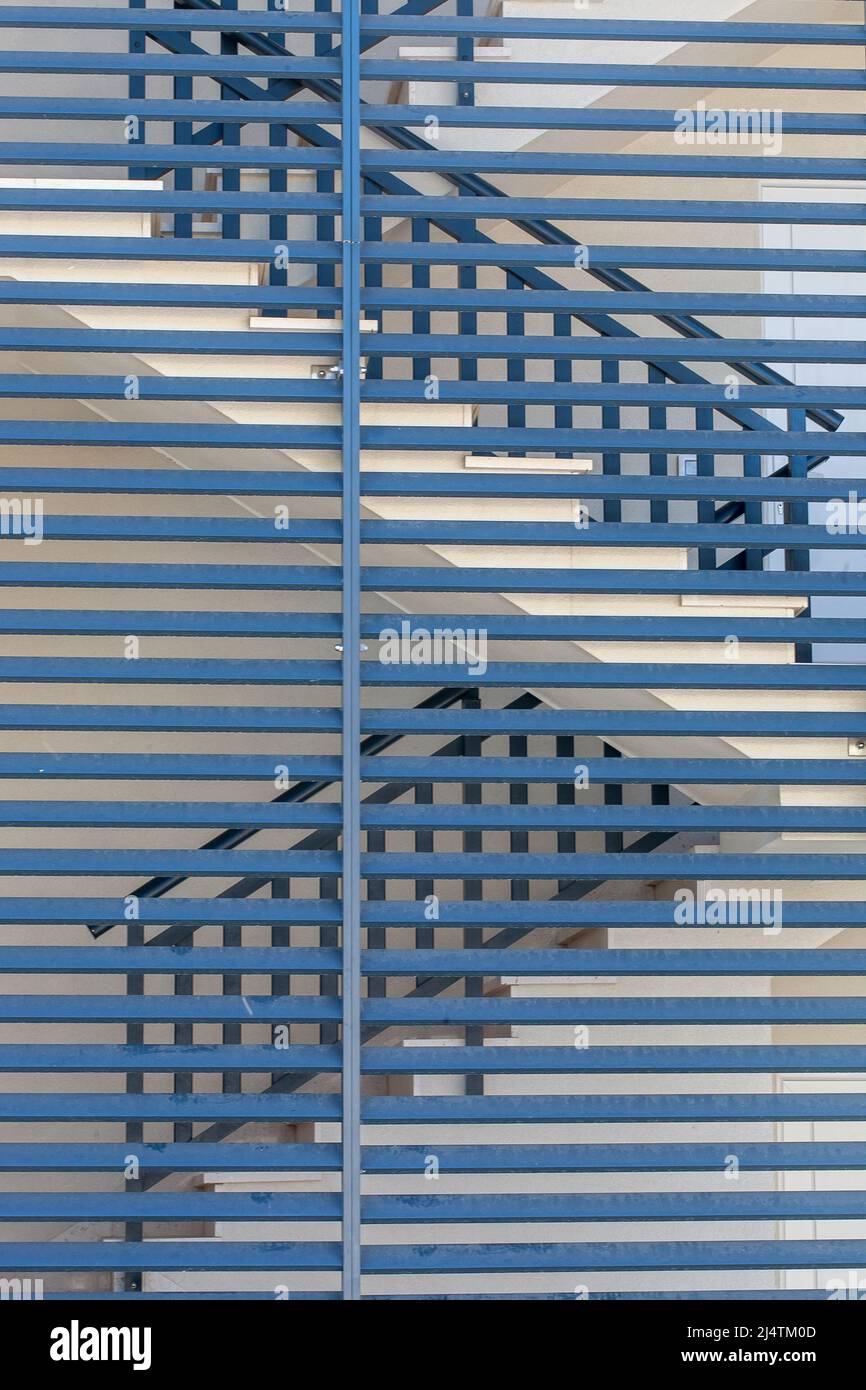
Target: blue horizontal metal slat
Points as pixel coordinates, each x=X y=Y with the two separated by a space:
x=622 y=486
x=216 y=530
x=297 y=343
x=72 y=387
x=424 y=580
x=617 y=675
x=592 y=209
x=173 y=1255
x=139 y=1296
x=614 y=867
x=285 y=1109
x=631 y=771
x=253 y=1158
x=174 y=1206
x=640 y=30
x=500 y=254
x=323 y=1206
x=762 y=818
x=553 y=1061
x=661 y=1255
x=311 y=1255
x=849 y=79
x=47 y=670
x=621 y=302
x=208 y=672
x=515 y=1061
x=258 y=816
x=735 y=1295
x=60 y=1008
x=269 y=815
x=80 y=17
x=554 y=962
x=147 y=200
x=474 y=1110
x=197 y=623
x=680 y=724
x=327 y=531
x=232 y=718
x=151 y=1057
x=275 y=484
x=155 y=960
x=313 y=911
x=198 y=64
x=677 y=166
x=682 y=166
x=659 y=1206
x=14 y=153
x=488 y=961
x=32 y=152
x=266 y=865
x=635 y=772
x=601 y=1109
x=456 y=1012
x=191 y=863
x=490 y=345
x=537 y=627
x=581 y=118
x=98 y=1008
x=403 y=21
x=162 y=1158
x=324 y=437
x=644 y=1061
x=584 y=392
x=486 y=581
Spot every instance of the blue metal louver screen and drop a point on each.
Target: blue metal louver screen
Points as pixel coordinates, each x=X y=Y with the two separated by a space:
x=432 y=652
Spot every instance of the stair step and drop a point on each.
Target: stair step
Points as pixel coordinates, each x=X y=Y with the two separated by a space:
x=104 y=222
x=129 y=271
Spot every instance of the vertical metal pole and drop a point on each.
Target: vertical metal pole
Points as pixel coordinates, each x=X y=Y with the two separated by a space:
x=184 y=1036
x=326 y=274
x=425 y=843
x=377 y=936
x=518 y=795
x=137 y=88
x=515 y=326
x=421 y=366
x=566 y=840
x=232 y=1034
x=753 y=516
x=134 y=1130
x=798 y=515
x=658 y=420
x=611 y=463
x=281 y=936
x=230 y=222
x=465 y=54
x=351 y=976
x=467 y=324
x=563 y=371
x=705 y=419
x=329 y=939
x=373 y=279
x=278 y=223
x=473 y=890
x=183 y=89
x=614 y=840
